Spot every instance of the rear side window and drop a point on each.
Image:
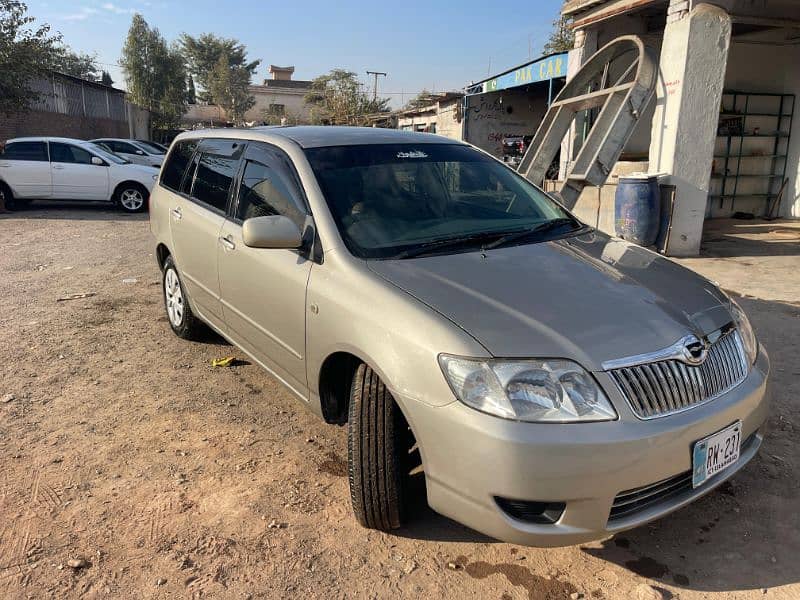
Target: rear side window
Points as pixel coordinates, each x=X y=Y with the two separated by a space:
x=35 y=151
x=66 y=153
x=175 y=166
x=216 y=170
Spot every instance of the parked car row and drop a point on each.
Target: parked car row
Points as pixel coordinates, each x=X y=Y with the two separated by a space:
x=41 y=168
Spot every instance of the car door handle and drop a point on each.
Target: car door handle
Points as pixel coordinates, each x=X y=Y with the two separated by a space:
x=227 y=242
x=58 y=167
x=177 y=214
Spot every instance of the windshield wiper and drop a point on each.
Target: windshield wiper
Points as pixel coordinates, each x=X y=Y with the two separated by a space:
x=539 y=229
x=439 y=244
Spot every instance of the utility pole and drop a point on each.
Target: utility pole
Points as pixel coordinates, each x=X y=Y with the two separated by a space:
x=375 y=88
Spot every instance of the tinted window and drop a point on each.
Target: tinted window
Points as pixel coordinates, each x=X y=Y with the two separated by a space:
x=391 y=200
x=124 y=147
x=36 y=151
x=177 y=161
x=216 y=171
x=67 y=153
x=266 y=189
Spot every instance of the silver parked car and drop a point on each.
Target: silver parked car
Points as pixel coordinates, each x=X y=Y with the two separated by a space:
x=558 y=384
x=139 y=153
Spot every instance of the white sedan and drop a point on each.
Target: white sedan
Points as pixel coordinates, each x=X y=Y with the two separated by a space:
x=67 y=169
x=139 y=153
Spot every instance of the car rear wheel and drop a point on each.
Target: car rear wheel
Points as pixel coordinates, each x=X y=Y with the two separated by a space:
x=376 y=444
x=179 y=313
x=132 y=197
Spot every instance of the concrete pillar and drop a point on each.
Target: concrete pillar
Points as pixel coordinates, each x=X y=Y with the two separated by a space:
x=585 y=47
x=692 y=69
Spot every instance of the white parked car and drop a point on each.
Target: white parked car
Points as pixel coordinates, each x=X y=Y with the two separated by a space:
x=36 y=168
x=134 y=151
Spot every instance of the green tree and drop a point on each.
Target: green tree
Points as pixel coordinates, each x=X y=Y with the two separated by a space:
x=77 y=64
x=338 y=98
x=562 y=38
x=421 y=99
x=105 y=79
x=228 y=85
x=154 y=73
x=26 y=52
x=204 y=54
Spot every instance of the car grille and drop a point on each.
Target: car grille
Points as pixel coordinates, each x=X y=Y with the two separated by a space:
x=665 y=387
x=632 y=501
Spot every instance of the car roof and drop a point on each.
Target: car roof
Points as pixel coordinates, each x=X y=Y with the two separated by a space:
x=317 y=136
x=47 y=139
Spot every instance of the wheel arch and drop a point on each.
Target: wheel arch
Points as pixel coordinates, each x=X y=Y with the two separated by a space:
x=162 y=253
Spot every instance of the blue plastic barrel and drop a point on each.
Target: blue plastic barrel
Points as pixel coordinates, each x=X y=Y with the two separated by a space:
x=637 y=209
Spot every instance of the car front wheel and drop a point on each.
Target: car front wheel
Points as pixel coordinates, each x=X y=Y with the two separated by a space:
x=376 y=446
x=132 y=197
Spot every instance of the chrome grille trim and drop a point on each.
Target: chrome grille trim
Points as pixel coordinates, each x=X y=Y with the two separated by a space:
x=668 y=386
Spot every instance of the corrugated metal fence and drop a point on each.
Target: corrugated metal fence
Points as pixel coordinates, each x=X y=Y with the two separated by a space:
x=77 y=98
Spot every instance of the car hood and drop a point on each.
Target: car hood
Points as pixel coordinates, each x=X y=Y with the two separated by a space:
x=142 y=169
x=589 y=298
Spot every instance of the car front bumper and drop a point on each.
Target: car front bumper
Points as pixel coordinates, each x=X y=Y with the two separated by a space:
x=471 y=458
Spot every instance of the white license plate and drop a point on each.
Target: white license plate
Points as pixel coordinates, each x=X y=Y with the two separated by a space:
x=716 y=453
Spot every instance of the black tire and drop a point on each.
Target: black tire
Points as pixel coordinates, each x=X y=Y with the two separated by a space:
x=7 y=200
x=188 y=327
x=376 y=450
x=131 y=197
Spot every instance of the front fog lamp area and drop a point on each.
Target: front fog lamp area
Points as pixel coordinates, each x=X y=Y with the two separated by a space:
x=541 y=391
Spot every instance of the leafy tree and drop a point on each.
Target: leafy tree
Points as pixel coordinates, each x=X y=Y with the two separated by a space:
x=338 y=98
x=77 y=64
x=420 y=100
x=562 y=38
x=204 y=54
x=155 y=74
x=228 y=85
x=25 y=53
x=105 y=79
x=191 y=93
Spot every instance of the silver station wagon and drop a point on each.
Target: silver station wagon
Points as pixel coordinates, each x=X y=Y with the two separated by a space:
x=555 y=384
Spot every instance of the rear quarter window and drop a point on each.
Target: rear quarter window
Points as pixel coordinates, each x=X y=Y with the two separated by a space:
x=176 y=163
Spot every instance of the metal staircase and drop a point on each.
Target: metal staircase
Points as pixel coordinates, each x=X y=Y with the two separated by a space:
x=632 y=70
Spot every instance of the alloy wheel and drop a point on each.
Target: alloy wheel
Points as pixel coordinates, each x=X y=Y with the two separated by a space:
x=132 y=199
x=174 y=298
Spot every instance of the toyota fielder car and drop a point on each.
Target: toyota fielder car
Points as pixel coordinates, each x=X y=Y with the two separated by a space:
x=555 y=384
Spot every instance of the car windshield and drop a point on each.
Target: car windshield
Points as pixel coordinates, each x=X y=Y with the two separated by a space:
x=104 y=153
x=403 y=200
x=151 y=148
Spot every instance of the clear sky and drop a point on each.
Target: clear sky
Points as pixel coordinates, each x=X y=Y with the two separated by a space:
x=435 y=45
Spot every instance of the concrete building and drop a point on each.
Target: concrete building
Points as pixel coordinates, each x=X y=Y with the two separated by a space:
x=278 y=100
x=721 y=127
x=441 y=114
x=512 y=103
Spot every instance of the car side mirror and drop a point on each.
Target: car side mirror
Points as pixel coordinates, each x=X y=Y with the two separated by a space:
x=96 y=160
x=274 y=231
x=140 y=152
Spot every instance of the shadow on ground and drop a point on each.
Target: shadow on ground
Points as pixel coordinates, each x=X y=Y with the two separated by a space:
x=77 y=210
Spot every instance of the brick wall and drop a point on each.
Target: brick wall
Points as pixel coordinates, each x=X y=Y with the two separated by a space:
x=60 y=125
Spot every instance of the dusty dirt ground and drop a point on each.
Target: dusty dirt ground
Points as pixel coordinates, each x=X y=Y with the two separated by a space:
x=120 y=446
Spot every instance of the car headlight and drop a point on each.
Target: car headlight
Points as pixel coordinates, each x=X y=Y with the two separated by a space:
x=541 y=391
x=742 y=323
